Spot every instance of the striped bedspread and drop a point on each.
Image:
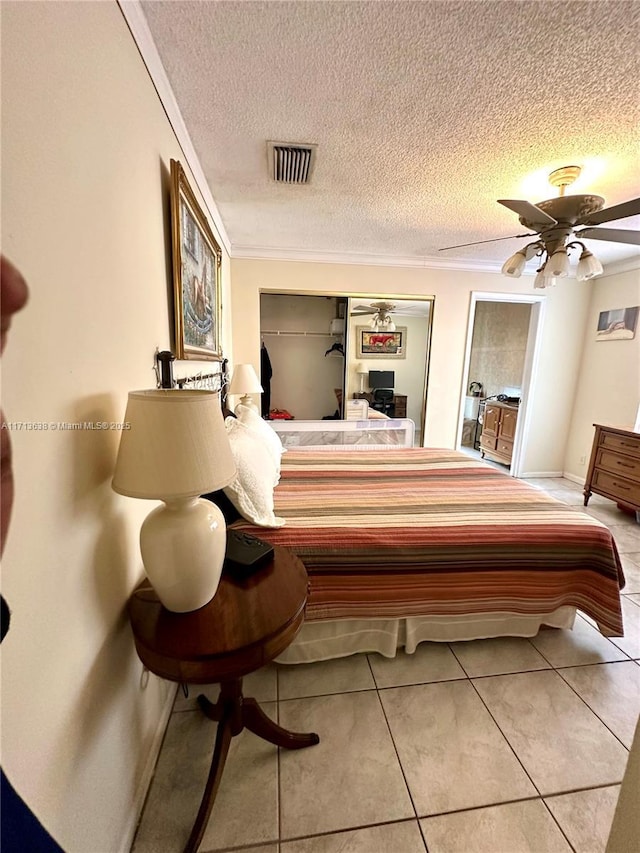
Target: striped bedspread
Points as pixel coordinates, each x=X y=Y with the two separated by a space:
x=416 y=532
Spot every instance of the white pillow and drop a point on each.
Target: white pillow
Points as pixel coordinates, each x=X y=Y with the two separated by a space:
x=252 y=419
x=251 y=492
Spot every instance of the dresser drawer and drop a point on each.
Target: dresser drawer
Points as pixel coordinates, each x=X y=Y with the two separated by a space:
x=504 y=447
x=624 y=466
x=487 y=441
x=617 y=488
x=625 y=444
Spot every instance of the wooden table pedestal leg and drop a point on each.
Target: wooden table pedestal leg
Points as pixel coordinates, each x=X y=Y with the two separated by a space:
x=233 y=712
x=257 y=722
x=226 y=712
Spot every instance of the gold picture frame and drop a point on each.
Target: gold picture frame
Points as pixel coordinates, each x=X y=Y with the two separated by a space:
x=372 y=344
x=197 y=261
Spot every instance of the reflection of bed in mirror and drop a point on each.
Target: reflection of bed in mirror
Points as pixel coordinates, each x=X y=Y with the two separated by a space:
x=376 y=429
x=405 y=544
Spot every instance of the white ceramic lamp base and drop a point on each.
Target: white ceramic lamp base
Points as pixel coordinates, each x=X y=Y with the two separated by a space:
x=247 y=400
x=183 y=544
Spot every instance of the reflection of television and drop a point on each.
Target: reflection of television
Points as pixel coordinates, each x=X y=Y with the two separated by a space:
x=381 y=379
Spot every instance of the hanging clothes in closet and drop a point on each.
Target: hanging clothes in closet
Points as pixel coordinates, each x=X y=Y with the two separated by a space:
x=266 y=372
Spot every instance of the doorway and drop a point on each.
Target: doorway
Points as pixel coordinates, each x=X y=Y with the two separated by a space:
x=502 y=346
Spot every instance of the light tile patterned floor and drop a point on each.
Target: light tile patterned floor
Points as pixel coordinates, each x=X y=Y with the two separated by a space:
x=493 y=746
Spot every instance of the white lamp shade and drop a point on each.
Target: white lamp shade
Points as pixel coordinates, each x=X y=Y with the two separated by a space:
x=175 y=446
x=544 y=278
x=588 y=266
x=514 y=265
x=245 y=380
x=558 y=264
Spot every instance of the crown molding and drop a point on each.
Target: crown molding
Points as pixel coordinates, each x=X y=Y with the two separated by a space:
x=626 y=265
x=268 y=254
x=137 y=23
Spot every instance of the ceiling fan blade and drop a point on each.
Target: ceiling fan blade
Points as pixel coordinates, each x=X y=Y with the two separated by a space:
x=528 y=211
x=610 y=214
x=477 y=242
x=613 y=235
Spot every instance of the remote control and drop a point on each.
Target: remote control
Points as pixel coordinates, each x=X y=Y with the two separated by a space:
x=245 y=553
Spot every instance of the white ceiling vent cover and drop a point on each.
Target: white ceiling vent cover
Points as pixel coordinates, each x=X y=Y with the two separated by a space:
x=291 y=162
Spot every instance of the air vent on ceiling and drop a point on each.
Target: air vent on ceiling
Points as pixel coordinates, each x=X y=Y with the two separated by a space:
x=291 y=163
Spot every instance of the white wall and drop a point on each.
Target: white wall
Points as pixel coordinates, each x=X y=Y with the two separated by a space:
x=561 y=342
x=608 y=388
x=85 y=202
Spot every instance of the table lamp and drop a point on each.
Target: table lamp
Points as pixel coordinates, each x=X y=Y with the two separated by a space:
x=362 y=371
x=175 y=449
x=245 y=381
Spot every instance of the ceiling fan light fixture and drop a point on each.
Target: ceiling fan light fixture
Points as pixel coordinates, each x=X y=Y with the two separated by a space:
x=544 y=277
x=558 y=264
x=533 y=249
x=514 y=265
x=390 y=326
x=588 y=266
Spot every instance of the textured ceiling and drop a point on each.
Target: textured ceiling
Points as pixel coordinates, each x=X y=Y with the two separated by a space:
x=424 y=114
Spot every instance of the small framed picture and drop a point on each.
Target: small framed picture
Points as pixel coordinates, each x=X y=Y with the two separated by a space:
x=197 y=262
x=617 y=324
x=372 y=344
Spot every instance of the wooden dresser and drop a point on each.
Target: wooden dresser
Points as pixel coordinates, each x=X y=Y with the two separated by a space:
x=399 y=406
x=399 y=403
x=498 y=431
x=614 y=468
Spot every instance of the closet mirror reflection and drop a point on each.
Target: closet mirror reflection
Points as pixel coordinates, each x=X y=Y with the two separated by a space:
x=324 y=349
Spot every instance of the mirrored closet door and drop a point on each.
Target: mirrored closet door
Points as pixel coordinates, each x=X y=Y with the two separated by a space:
x=322 y=350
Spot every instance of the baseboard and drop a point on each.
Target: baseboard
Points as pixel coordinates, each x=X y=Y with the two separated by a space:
x=147 y=775
x=540 y=474
x=574 y=478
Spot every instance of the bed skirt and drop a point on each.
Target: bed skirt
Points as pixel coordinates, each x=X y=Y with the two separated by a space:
x=322 y=640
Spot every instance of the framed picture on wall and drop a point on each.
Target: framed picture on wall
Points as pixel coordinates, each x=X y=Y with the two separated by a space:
x=371 y=344
x=197 y=262
x=617 y=324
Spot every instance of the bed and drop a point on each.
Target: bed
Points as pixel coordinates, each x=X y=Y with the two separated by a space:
x=405 y=545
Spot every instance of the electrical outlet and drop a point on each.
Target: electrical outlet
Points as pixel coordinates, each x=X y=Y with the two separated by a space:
x=583 y=460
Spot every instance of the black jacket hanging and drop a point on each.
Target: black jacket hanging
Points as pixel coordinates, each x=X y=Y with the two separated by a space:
x=266 y=372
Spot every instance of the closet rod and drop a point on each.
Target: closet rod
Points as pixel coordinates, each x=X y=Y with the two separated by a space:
x=298 y=334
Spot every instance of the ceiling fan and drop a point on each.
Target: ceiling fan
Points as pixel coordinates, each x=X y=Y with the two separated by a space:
x=381 y=320
x=554 y=221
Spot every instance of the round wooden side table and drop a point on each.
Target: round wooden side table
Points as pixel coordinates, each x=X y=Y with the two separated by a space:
x=247 y=624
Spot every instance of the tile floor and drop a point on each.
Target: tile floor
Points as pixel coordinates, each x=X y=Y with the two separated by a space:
x=494 y=746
